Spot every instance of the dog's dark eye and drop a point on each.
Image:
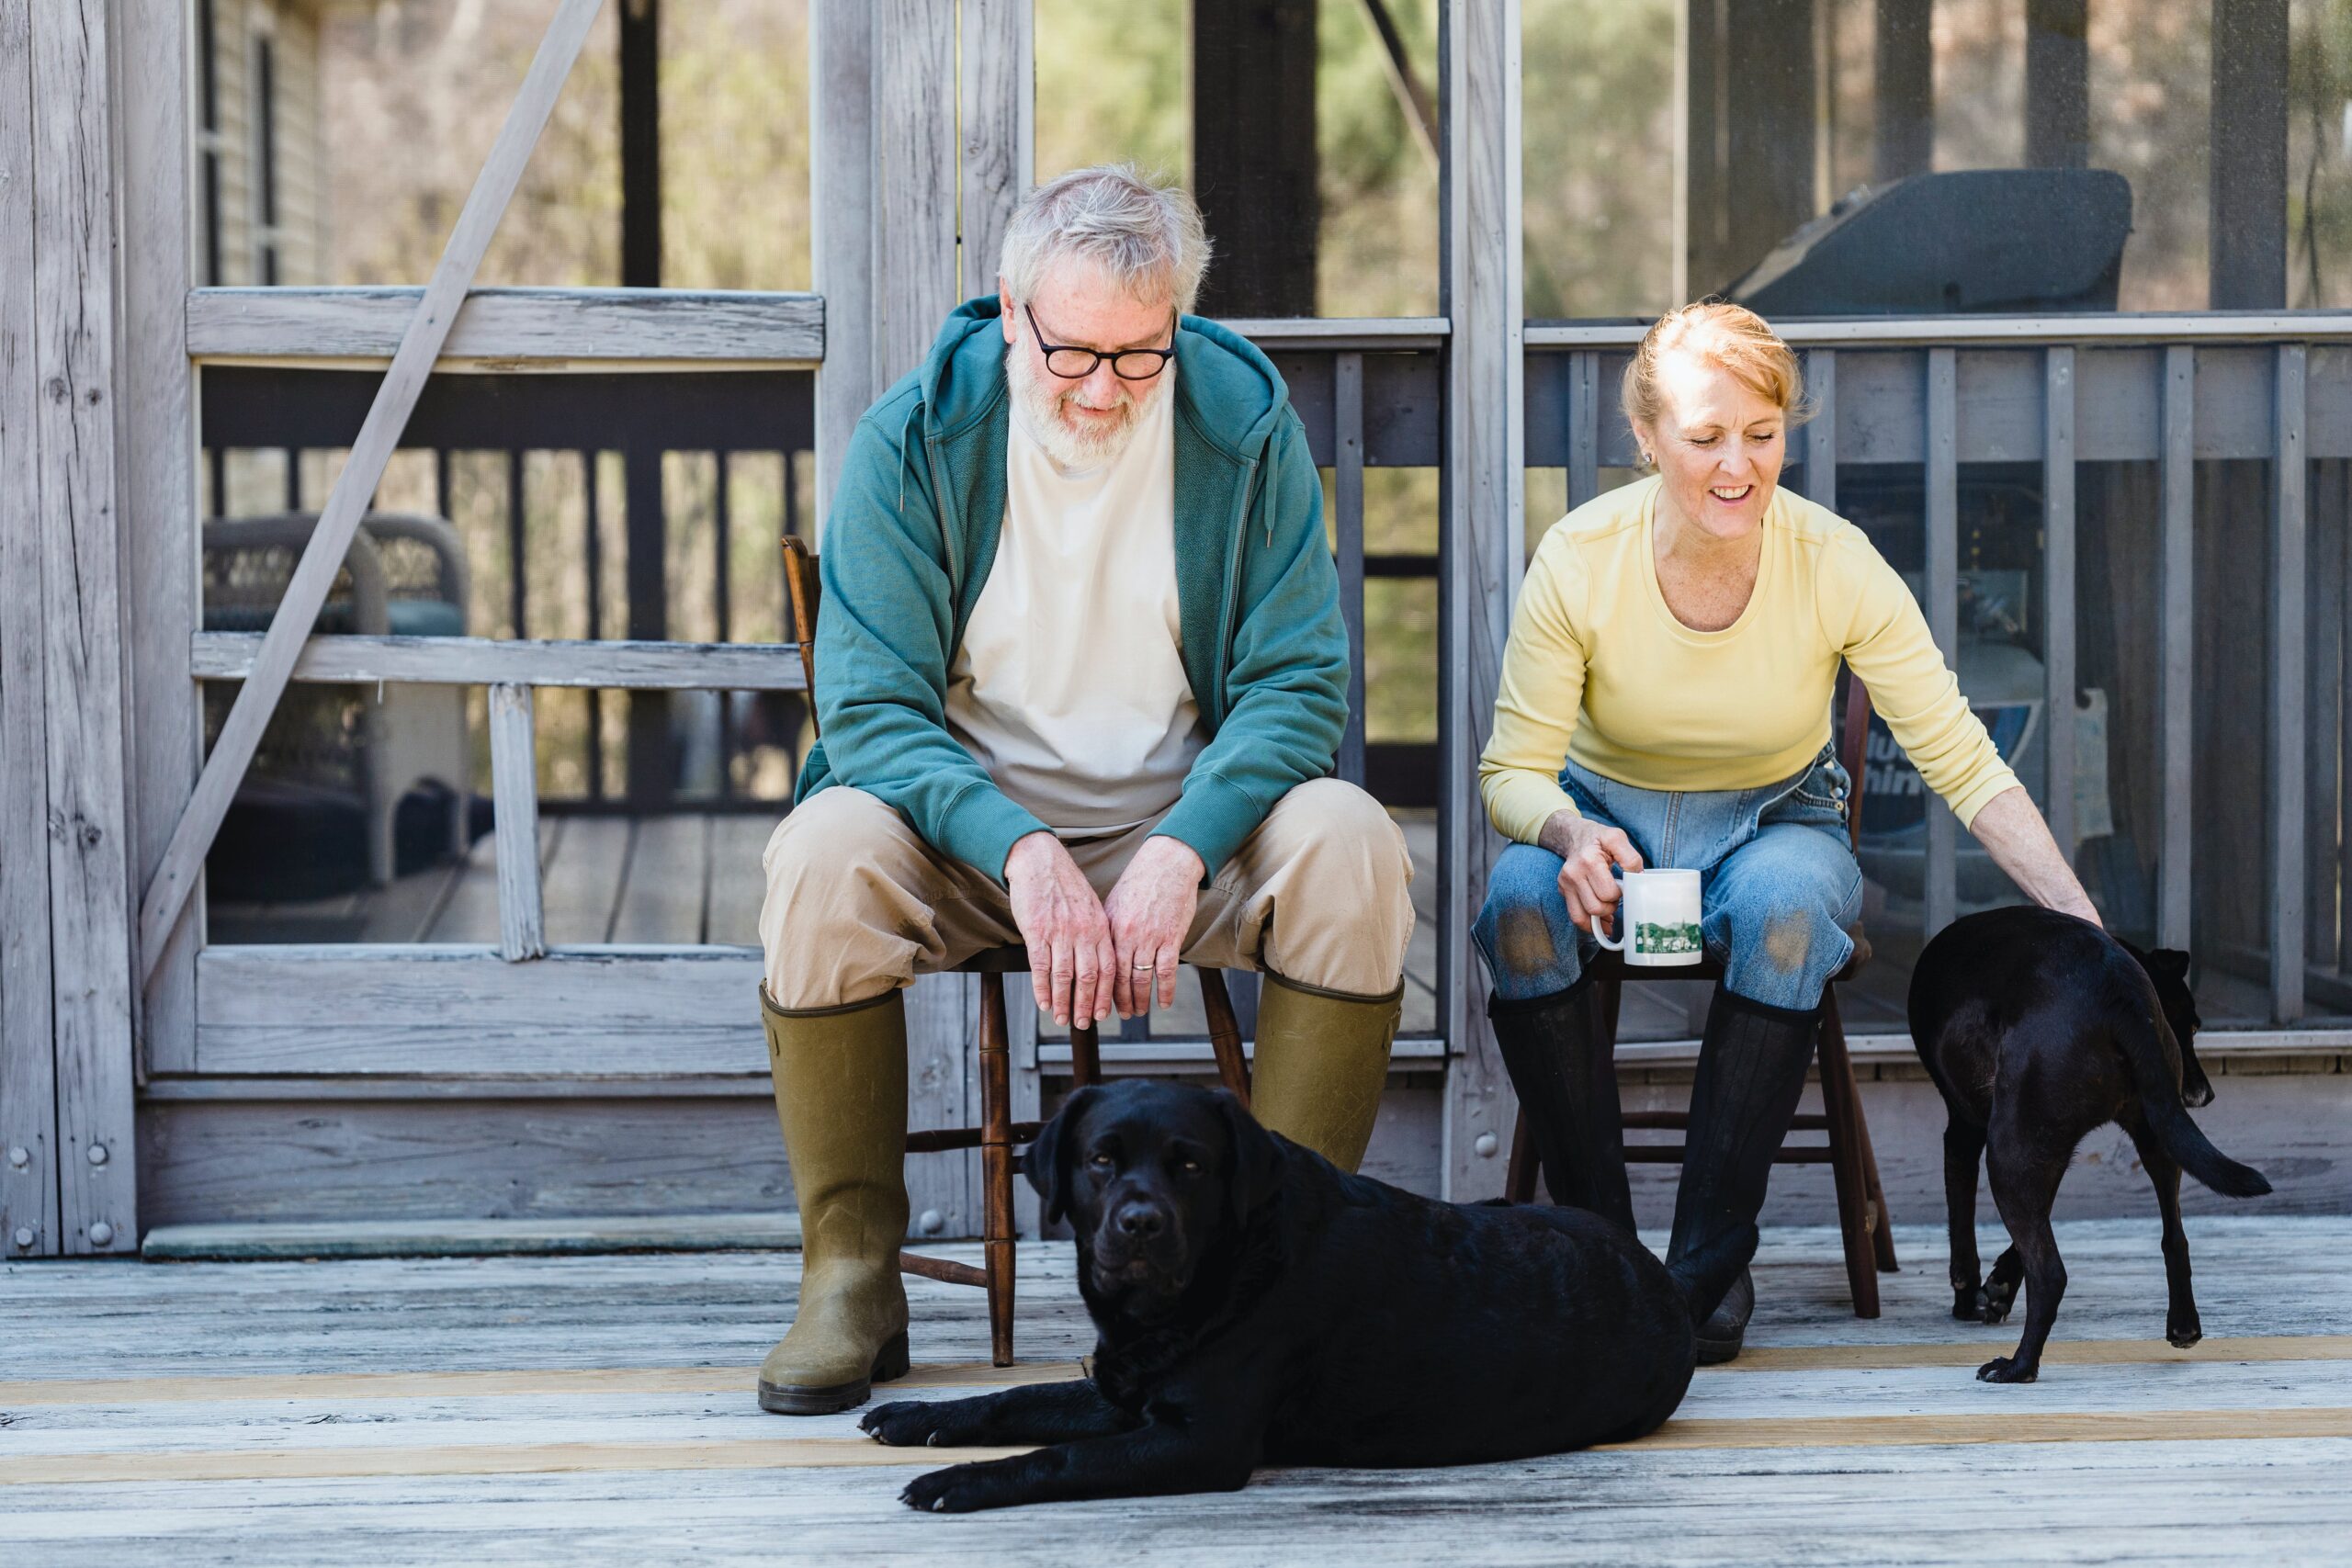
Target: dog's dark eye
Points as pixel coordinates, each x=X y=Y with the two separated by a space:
x=1189 y=1167
x=1099 y=1160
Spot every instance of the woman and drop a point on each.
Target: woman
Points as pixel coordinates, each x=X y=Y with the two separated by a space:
x=1664 y=701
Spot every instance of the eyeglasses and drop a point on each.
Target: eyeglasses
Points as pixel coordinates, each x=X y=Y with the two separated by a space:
x=1072 y=363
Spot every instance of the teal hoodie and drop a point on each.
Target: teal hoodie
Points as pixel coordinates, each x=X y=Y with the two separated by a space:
x=912 y=534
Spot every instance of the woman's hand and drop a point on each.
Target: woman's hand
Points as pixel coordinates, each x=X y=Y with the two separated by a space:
x=1587 y=850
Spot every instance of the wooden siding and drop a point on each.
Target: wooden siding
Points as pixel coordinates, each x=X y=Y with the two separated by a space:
x=303 y=209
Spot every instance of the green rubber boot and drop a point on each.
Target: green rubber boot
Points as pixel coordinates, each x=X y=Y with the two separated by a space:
x=841 y=1093
x=1322 y=1062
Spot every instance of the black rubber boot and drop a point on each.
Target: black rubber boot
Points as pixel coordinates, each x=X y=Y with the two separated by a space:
x=1752 y=1064
x=1566 y=1080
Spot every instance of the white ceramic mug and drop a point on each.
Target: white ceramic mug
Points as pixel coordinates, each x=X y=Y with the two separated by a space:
x=1659 y=915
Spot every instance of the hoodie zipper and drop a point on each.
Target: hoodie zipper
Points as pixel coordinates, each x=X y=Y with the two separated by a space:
x=1233 y=582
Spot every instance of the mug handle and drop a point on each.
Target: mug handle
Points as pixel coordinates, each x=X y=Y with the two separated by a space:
x=1602 y=936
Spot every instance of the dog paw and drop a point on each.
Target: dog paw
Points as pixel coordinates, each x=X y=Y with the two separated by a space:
x=2007 y=1369
x=956 y=1490
x=906 y=1424
x=2184 y=1334
x=1968 y=1303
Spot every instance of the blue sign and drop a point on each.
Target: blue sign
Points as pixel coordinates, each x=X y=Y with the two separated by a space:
x=1895 y=797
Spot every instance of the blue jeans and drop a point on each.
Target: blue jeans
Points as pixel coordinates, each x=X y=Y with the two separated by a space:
x=1779 y=887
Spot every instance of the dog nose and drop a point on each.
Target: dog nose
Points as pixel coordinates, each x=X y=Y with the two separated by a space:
x=1142 y=1221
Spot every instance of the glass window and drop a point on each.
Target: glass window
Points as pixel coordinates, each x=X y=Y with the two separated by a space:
x=1847 y=157
x=337 y=143
x=1306 y=131
x=583 y=506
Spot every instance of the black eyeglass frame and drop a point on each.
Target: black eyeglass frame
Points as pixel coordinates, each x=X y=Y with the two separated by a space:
x=1159 y=356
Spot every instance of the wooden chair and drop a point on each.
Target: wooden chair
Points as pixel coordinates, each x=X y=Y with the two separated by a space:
x=998 y=1134
x=1862 y=1202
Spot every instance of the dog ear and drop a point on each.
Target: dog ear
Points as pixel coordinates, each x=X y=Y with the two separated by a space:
x=1256 y=1159
x=1047 y=1164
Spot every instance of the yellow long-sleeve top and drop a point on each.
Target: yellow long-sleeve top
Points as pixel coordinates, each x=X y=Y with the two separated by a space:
x=1599 y=669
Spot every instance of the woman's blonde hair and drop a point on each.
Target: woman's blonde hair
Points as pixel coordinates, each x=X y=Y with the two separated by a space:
x=1731 y=336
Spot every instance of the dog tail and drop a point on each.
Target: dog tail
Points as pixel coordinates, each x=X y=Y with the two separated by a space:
x=2160 y=1101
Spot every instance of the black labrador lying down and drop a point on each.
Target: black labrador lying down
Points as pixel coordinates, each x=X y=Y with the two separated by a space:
x=2038 y=1027
x=1256 y=1306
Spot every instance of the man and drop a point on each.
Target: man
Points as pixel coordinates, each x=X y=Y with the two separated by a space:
x=1080 y=675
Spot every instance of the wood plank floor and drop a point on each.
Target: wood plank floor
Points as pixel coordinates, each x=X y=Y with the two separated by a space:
x=598 y=1409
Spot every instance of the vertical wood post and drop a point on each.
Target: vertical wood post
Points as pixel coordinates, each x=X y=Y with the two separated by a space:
x=840 y=228
x=28 y=1064
x=2058 y=585
x=915 y=281
x=1821 y=432
x=82 y=611
x=640 y=141
x=2177 y=665
x=1942 y=582
x=514 y=799
x=1483 y=540
x=997 y=93
x=1584 y=428
x=650 y=764
x=1347 y=495
x=914 y=224
x=159 y=503
x=2288 y=673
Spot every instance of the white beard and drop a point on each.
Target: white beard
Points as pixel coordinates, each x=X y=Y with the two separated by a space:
x=1039 y=397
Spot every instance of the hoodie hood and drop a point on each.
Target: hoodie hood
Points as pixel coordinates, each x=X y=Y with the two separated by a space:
x=1230 y=392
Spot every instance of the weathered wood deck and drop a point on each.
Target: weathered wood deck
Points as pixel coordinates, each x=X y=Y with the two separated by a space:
x=599 y=1409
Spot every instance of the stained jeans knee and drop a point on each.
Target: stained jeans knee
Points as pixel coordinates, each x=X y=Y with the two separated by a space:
x=1523 y=933
x=1776 y=911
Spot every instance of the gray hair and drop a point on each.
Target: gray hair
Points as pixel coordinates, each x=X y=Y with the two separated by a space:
x=1144 y=236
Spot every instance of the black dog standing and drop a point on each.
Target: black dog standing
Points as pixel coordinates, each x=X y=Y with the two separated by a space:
x=1257 y=1305
x=2037 y=1027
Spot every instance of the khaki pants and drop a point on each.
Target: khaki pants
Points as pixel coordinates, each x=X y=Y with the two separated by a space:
x=858 y=903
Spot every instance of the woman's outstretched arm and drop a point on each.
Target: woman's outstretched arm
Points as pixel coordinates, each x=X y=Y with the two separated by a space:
x=2013 y=833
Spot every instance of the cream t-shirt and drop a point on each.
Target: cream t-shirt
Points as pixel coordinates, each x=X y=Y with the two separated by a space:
x=1069 y=685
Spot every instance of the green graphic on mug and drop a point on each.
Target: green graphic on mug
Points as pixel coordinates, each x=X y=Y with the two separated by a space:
x=1660 y=936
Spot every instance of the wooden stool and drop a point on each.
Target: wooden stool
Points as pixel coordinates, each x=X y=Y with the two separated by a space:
x=1862 y=1202
x=998 y=1133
